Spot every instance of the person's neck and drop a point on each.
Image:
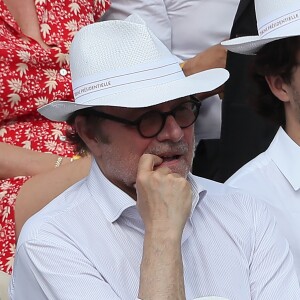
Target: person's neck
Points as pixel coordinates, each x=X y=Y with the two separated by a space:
x=292 y=128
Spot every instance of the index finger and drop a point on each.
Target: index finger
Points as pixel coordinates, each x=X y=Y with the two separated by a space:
x=148 y=162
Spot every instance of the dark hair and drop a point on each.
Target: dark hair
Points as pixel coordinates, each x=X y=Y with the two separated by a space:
x=275 y=58
x=92 y=122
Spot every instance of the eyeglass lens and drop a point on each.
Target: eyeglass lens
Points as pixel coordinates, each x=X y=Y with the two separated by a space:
x=152 y=123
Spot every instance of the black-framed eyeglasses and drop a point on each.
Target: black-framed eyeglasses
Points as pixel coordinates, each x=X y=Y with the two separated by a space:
x=152 y=122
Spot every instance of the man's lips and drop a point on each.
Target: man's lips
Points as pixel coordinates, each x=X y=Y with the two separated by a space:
x=170 y=158
x=170 y=153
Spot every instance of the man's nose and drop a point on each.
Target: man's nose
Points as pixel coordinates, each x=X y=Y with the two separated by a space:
x=171 y=130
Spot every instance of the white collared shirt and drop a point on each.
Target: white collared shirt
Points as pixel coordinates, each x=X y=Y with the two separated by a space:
x=88 y=243
x=274 y=177
x=186 y=27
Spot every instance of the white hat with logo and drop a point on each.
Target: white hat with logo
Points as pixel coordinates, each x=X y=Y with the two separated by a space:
x=276 y=19
x=122 y=63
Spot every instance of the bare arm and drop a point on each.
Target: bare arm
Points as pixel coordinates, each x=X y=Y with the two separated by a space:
x=161 y=268
x=213 y=57
x=17 y=161
x=164 y=202
x=39 y=190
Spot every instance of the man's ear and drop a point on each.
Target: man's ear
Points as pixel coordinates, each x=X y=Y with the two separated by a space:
x=278 y=87
x=87 y=135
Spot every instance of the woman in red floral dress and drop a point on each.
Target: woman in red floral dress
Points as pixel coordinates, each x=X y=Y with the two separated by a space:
x=34 y=70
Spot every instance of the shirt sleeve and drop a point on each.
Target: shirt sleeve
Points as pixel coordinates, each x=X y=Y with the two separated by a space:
x=272 y=272
x=56 y=271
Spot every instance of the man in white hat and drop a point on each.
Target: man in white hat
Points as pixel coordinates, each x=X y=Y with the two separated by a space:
x=140 y=225
x=274 y=175
x=191 y=30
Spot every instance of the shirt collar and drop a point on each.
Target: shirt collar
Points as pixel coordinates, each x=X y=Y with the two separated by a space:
x=113 y=201
x=285 y=154
x=198 y=192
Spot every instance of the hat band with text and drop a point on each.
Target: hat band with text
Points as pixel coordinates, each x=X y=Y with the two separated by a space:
x=159 y=72
x=277 y=23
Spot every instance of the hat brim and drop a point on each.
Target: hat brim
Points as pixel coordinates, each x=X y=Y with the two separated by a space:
x=197 y=83
x=248 y=45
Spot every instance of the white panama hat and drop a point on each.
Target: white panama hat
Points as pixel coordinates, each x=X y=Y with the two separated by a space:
x=122 y=63
x=276 y=19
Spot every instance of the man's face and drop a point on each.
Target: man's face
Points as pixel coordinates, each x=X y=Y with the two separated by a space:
x=119 y=158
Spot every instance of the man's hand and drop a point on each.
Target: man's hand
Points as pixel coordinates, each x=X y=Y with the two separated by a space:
x=164 y=198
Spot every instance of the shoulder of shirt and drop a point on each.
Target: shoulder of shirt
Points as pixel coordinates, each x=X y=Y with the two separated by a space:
x=228 y=197
x=60 y=205
x=232 y=207
x=254 y=169
x=213 y=187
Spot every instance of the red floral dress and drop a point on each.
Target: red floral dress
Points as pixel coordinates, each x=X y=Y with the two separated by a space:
x=30 y=77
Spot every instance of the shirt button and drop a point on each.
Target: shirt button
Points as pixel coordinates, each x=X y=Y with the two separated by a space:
x=63 y=72
x=63 y=138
